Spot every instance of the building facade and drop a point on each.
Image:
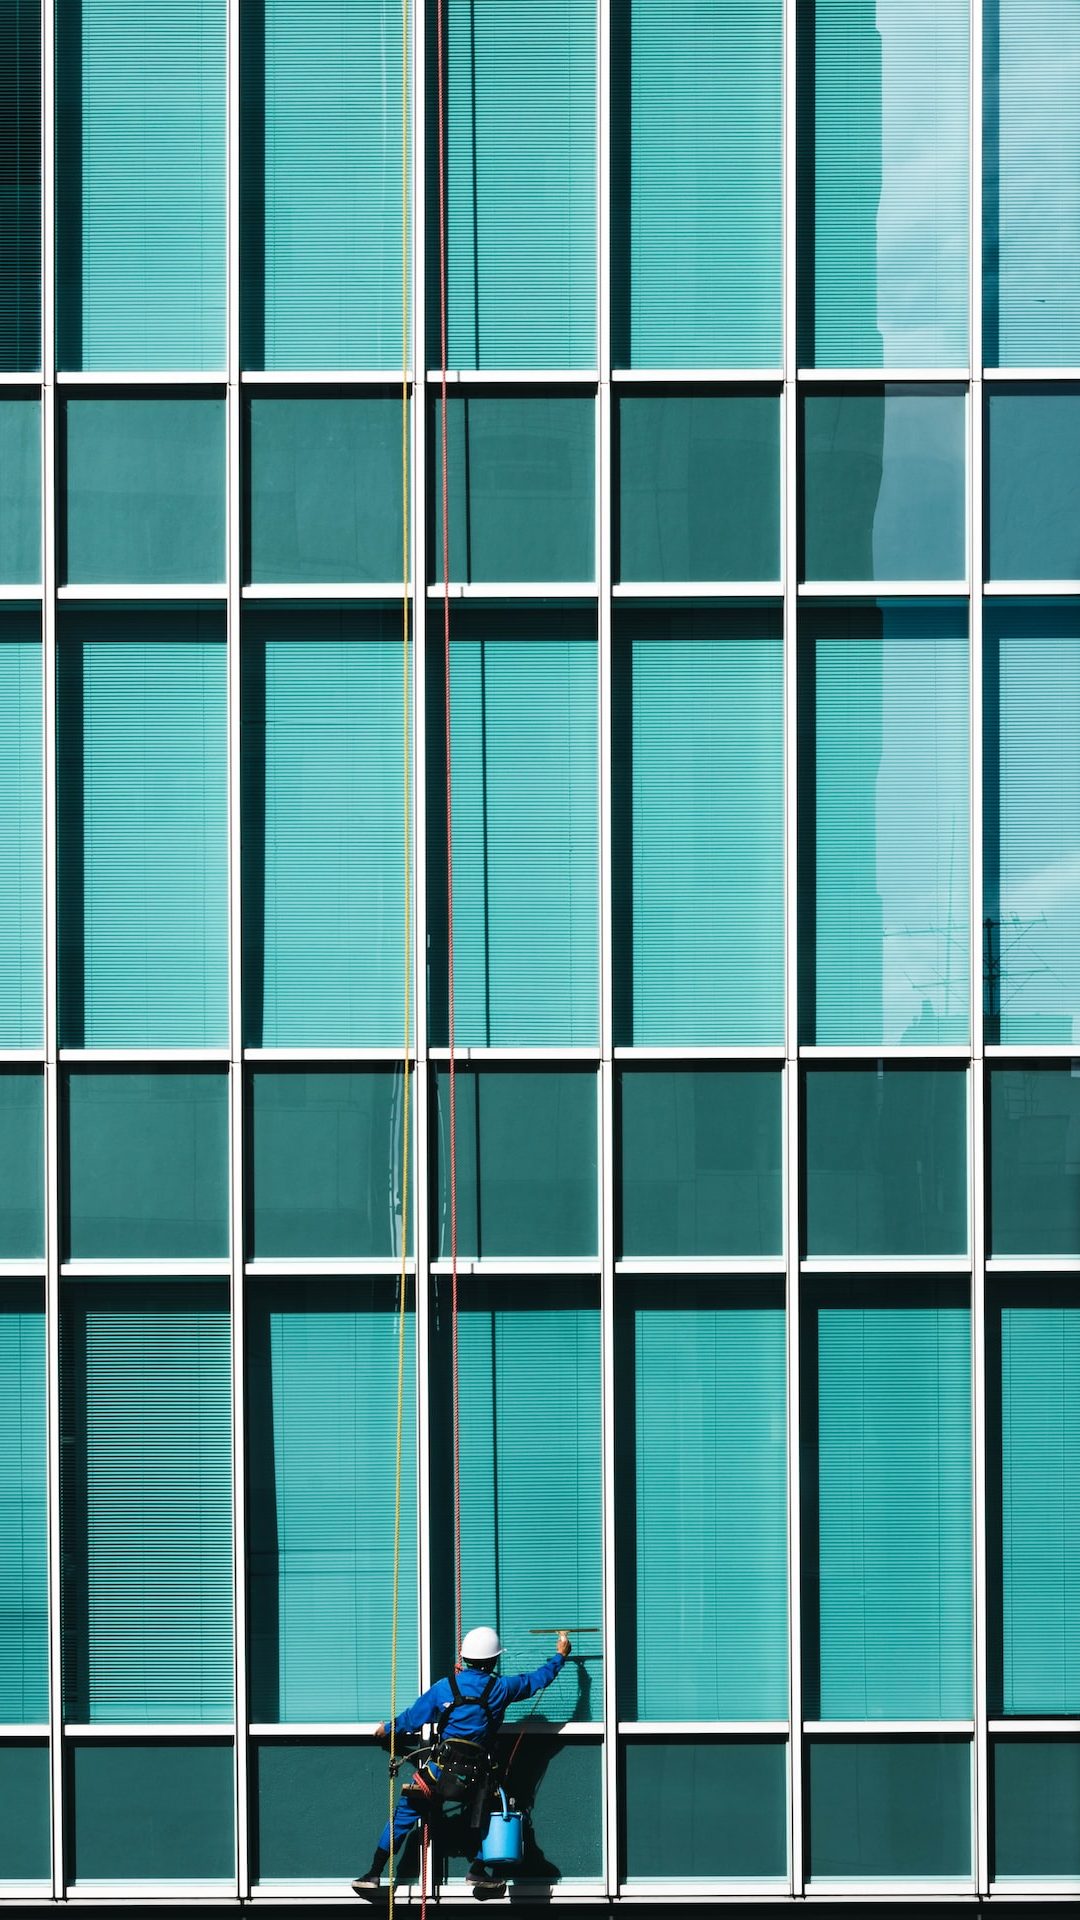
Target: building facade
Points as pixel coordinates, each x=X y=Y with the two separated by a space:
x=693 y=388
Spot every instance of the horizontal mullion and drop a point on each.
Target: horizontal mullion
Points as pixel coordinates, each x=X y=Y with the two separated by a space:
x=883 y=376
x=923 y=1055
x=570 y=1054
x=886 y=1263
x=336 y=1267
x=144 y=1056
x=149 y=592
x=22 y=1056
x=514 y=377
x=664 y=1728
x=697 y=590
x=125 y=1269
x=149 y=1730
x=1055 y=1051
x=325 y=377
x=1042 y=374
x=377 y=1055
x=327 y=590
x=21 y=380
x=962 y=1728
x=1033 y=1263
x=513 y=1266
x=700 y=1263
x=515 y=590
x=27 y=1730
x=883 y=589
x=106 y=377
x=645 y=1054
x=10 y=591
x=1031 y=589
x=21 y=1270
x=1067 y=1724
x=699 y=376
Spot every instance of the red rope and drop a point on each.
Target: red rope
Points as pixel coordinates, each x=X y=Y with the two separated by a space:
x=445 y=510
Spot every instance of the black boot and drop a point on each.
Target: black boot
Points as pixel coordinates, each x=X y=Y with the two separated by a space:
x=484 y=1889
x=370 y=1883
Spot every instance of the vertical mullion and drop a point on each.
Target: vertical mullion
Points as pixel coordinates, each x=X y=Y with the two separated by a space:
x=612 y=1838
x=981 y=1837
x=234 y=483
x=51 y=1035
x=789 y=525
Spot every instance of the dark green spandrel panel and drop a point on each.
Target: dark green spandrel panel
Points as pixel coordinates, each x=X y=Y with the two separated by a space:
x=20 y=186
x=1033 y=450
x=1036 y=1808
x=326 y=1162
x=20 y=486
x=144 y=499
x=886 y=1158
x=699 y=486
x=24 y=1608
x=521 y=472
x=22 y=1165
x=147 y=1165
x=561 y=1786
x=1034 y=1160
x=883 y=484
x=705 y=1810
x=150 y=1812
x=889 y=1809
x=318 y=1809
x=22 y=970
x=526 y=1162
x=699 y=1161
x=325 y=488
x=25 y=1850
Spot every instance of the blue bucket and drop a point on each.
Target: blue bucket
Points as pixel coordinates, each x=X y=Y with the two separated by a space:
x=504 y=1841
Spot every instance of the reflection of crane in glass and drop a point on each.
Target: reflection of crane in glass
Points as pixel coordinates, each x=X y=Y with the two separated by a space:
x=1002 y=934
x=941 y=976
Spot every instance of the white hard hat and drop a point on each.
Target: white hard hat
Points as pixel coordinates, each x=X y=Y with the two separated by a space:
x=481 y=1643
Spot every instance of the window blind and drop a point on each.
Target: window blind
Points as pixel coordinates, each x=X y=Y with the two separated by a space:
x=530 y=1481
x=322 y=1394
x=143 y=831
x=323 y=834
x=141 y=176
x=885 y=827
x=20 y=490
x=21 y=934
x=20 y=186
x=520 y=184
x=321 y=183
x=24 y=1639
x=147 y=1503
x=710 y=1502
x=1031 y=272
x=697 y=106
x=888 y=1549
x=525 y=799
x=698 y=837
x=521 y=475
x=884 y=182
x=1031 y=939
x=1040 y=1494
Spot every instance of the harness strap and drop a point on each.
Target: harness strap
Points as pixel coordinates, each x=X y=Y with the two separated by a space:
x=463 y=1699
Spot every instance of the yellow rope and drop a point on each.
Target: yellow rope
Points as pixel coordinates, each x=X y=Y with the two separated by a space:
x=406 y=757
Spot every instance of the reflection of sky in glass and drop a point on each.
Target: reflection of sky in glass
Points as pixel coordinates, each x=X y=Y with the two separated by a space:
x=1033 y=161
x=892 y=836
x=884 y=484
x=891 y=182
x=1033 y=889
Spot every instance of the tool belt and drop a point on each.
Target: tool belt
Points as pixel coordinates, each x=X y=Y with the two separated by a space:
x=463 y=1767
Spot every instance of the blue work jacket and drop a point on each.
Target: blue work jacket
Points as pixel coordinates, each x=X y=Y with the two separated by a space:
x=469 y=1722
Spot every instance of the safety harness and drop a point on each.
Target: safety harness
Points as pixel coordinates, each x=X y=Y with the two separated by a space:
x=458 y=1769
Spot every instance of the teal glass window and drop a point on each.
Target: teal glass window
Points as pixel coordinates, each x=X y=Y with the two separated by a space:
x=707 y=1492
x=150 y=1811
x=1033 y=1343
x=20 y=483
x=323 y=837
x=526 y=1161
x=697 y=151
x=22 y=951
x=889 y=1809
x=699 y=486
x=143 y=829
x=521 y=470
x=22 y=1164
x=520 y=185
x=523 y=715
x=24 y=1635
x=311 y=1801
x=1033 y=480
x=321 y=184
x=325 y=488
x=326 y=1172
x=1031 y=818
x=141 y=178
x=321 y=1501
x=146 y=1499
x=883 y=484
x=144 y=501
x=884 y=917
x=886 y=1160
x=699 y=1164
x=528 y=1366
x=25 y=1842
x=147 y=1164
x=1035 y=1788
x=698 y=863
x=887 y=1515
x=725 y=1800
x=1035 y=1159
x=20 y=187
x=883 y=184
x=1031 y=191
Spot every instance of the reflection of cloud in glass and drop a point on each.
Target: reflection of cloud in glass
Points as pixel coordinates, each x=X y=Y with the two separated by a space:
x=1035 y=161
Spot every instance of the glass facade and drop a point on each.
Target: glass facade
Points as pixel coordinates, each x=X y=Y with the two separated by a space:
x=539 y=889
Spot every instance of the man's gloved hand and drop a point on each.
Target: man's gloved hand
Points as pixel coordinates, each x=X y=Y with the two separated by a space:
x=382 y=1733
x=563 y=1646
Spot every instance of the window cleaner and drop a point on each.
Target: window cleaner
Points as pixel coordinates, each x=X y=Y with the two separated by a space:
x=467 y=1710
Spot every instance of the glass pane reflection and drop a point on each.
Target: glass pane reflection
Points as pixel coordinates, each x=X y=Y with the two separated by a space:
x=883 y=479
